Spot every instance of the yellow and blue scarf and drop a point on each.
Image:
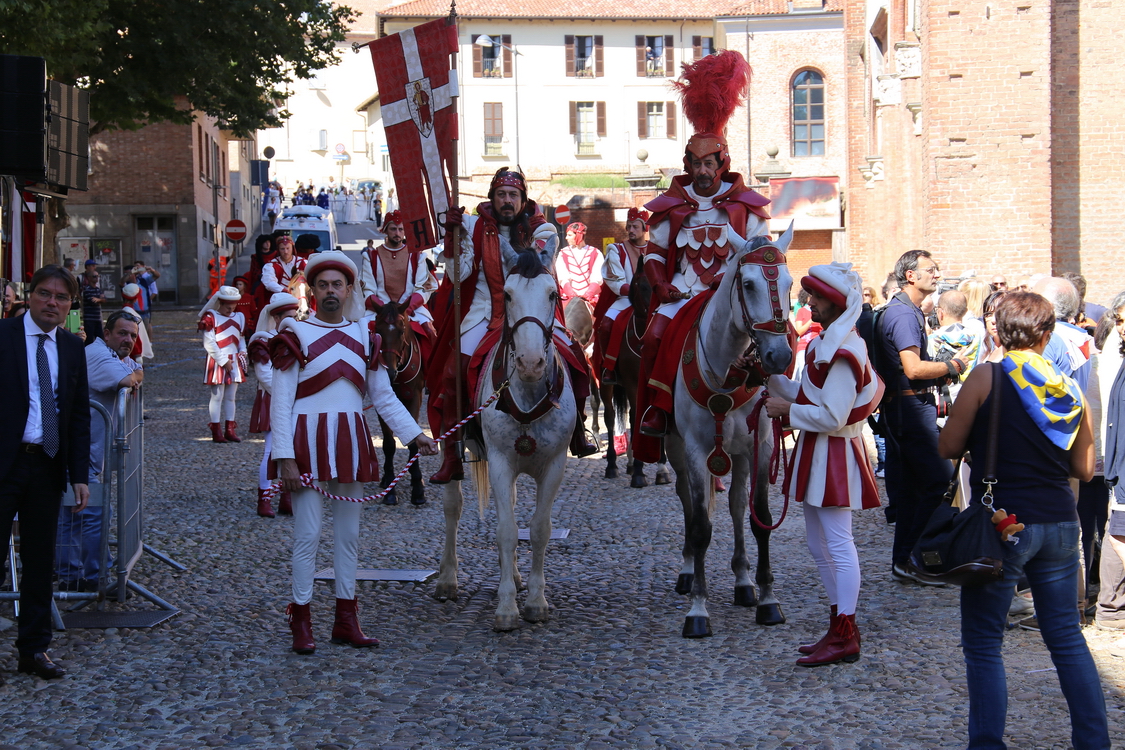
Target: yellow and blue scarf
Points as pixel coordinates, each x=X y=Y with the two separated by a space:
x=1052 y=400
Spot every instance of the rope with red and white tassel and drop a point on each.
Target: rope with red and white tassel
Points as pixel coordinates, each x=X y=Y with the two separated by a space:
x=307 y=479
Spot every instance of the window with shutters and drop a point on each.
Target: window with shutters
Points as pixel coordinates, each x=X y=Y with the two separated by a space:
x=587 y=125
x=655 y=57
x=584 y=56
x=656 y=120
x=808 y=113
x=493 y=128
x=494 y=61
x=701 y=46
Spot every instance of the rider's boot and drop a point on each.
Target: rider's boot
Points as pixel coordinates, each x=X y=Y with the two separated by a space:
x=580 y=382
x=842 y=644
x=605 y=329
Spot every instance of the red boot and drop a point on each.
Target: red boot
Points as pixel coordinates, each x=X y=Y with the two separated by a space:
x=346 y=628
x=265 y=509
x=810 y=648
x=217 y=433
x=229 y=435
x=285 y=504
x=300 y=622
x=842 y=644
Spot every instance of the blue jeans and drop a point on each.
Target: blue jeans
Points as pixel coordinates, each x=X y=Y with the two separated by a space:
x=1048 y=554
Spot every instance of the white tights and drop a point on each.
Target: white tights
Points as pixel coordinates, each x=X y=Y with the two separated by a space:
x=222 y=397
x=828 y=532
x=308 y=511
x=263 y=468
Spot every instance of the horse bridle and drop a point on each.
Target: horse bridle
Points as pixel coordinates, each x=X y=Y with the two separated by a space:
x=510 y=332
x=770 y=259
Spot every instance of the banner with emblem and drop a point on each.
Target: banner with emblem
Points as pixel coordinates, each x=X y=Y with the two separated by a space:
x=417 y=95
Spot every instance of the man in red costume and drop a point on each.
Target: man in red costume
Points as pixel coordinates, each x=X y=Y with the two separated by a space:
x=578 y=267
x=697 y=223
x=393 y=273
x=614 y=308
x=505 y=223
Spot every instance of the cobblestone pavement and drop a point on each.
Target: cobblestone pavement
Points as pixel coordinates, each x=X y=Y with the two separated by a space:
x=608 y=670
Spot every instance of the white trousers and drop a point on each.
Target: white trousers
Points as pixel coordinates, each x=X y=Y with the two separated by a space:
x=828 y=532
x=222 y=402
x=263 y=467
x=308 y=512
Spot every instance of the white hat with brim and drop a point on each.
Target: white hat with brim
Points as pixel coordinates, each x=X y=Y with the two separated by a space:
x=279 y=303
x=225 y=294
x=334 y=260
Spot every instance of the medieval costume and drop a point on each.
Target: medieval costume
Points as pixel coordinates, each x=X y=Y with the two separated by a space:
x=614 y=310
x=321 y=373
x=837 y=390
x=281 y=305
x=578 y=268
x=226 y=360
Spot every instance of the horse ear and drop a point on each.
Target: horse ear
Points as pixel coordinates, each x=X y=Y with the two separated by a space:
x=785 y=239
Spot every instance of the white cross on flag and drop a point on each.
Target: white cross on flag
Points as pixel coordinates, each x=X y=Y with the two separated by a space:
x=417 y=95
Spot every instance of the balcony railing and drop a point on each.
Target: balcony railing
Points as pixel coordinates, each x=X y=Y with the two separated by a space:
x=491 y=68
x=654 y=68
x=584 y=67
x=494 y=145
x=587 y=148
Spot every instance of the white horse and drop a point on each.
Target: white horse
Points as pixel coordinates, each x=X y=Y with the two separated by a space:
x=526 y=431
x=748 y=311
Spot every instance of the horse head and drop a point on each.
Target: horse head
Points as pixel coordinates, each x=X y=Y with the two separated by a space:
x=530 y=298
x=763 y=283
x=391 y=324
x=640 y=292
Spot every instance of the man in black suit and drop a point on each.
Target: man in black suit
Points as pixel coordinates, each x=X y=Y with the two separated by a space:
x=44 y=441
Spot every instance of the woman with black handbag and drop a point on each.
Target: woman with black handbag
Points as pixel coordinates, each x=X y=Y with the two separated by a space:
x=1047 y=438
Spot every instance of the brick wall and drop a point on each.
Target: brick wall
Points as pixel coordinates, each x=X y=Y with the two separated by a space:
x=150 y=165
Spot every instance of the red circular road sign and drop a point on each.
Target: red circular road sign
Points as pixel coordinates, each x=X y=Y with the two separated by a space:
x=236 y=230
x=562 y=215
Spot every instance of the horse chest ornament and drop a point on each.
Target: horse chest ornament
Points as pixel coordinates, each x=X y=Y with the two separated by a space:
x=731 y=394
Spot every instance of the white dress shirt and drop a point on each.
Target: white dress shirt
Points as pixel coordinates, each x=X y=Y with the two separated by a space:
x=33 y=430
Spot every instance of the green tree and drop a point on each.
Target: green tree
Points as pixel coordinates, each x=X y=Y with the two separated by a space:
x=158 y=60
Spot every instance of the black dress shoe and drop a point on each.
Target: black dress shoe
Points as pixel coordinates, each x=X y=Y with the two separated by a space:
x=41 y=665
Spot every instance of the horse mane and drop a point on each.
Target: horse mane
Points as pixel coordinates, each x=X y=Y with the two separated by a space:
x=387 y=312
x=528 y=264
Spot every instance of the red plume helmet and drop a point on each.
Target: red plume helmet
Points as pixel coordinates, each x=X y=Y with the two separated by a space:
x=710 y=90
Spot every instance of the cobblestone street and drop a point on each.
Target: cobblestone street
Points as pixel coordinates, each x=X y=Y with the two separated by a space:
x=609 y=669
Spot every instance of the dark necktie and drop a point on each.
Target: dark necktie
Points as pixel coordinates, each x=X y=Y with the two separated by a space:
x=47 y=400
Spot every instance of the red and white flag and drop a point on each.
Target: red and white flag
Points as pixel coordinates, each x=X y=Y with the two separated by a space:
x=417 y=95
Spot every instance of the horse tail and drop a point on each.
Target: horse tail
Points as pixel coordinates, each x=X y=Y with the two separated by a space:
x=479 y=471
x=712 y=496
x=620 y=407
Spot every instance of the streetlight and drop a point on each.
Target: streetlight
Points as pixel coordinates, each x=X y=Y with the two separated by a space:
x=484 y=40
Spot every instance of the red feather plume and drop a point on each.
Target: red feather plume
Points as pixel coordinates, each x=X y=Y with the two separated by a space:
x=712 y=88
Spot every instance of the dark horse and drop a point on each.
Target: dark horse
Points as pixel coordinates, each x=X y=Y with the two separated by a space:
x=579 y=319
x=620 y=399
x=402 y=357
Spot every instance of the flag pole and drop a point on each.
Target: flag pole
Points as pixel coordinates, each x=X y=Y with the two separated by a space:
x=458 y=443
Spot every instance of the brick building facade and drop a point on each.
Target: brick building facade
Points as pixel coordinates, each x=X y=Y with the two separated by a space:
x=983 y=133
x=151 y=197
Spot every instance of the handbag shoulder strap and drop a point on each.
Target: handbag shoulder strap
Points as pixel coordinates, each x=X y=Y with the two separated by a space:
x=992 y=446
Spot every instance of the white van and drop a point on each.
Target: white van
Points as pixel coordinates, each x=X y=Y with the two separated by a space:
x=298 y=220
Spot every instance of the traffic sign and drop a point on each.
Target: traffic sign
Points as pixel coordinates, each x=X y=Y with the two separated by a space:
x=562 y=215
x=340 y=148
x=236 y=230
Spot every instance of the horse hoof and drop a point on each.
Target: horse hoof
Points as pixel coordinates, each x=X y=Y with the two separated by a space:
x=446 y=592
x=629 y=468
x=418 y=496
x=504 y=623
x=770 y=614
x=611 y=472
x=697 y=627
x=638 y=481
x=662 y=477
x=684 y=582
x=535 y=614
x=745 y=596
x=385 y=482
x=391 y=498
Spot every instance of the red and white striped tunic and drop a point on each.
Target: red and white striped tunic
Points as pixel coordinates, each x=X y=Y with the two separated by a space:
x=316 y=409
x=830 y=404
x=222 y=339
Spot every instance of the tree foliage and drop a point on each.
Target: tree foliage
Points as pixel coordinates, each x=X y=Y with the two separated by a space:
x=158 y=60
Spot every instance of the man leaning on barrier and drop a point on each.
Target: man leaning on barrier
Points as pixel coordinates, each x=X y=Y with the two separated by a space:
x=44 y=442
x=109 y=368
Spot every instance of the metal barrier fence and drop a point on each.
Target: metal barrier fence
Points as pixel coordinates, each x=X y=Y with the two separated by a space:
x=120 y=495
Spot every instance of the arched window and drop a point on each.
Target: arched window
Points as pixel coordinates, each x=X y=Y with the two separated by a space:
x=808 y=114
